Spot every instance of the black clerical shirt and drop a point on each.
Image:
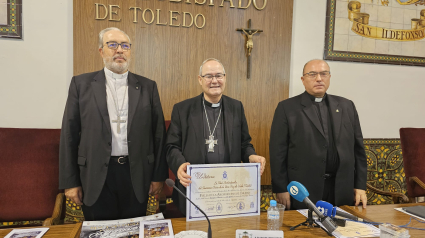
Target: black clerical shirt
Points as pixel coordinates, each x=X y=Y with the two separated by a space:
x=219 y=155
x=324 y=114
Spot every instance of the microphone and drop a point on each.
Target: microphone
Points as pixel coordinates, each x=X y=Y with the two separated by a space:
x=331 y=211
x=300 y=193
x=171 y=183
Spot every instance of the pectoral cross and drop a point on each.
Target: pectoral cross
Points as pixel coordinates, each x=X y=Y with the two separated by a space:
x=211 y=142
x=249 y=44
x=118 y=121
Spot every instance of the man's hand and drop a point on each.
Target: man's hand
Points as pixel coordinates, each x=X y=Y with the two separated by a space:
x=75 y=195
x=258 y=159
x=360 y=195
x=155 y=188
x=285 y=199
x=183 y=176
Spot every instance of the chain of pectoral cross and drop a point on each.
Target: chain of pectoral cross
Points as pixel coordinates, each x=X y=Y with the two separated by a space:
x=117 y=109
x=210 y=141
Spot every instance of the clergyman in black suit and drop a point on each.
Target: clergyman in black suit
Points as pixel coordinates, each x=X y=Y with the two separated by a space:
x=112 y=137
x=316 y=140
x=208 y=129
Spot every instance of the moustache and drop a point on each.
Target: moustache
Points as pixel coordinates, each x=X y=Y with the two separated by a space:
x=120 y=56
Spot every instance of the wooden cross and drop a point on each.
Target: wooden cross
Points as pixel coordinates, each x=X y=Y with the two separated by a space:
x=249 y=44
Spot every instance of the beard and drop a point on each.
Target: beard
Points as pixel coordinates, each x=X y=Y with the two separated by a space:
x=115 y=67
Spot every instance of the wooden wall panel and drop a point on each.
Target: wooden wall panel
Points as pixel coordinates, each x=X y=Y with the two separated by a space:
x=172 y=55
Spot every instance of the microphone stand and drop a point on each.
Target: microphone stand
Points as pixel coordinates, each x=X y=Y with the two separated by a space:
x=310 y=222
x=209 y=224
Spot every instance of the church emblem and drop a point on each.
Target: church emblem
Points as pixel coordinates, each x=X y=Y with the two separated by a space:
x=245 y=234
x=240 y=206
x=219 y=208
x=225 y=175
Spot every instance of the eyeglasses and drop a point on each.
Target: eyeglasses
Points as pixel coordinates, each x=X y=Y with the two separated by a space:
x=209 y=77
x=313 y=74
x=114 y=45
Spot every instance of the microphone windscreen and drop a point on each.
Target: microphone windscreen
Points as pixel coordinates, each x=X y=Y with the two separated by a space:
x=325 y=208
x=169 y=182
x=297 y=191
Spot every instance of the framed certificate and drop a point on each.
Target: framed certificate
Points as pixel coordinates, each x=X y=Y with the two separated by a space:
x=223 y=190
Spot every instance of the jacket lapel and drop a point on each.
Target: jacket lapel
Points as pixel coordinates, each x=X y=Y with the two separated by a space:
x=310 y=112
x=228 y=124
x=336 y=114
x=196 y=111
x=134 y=89
x=99 y=89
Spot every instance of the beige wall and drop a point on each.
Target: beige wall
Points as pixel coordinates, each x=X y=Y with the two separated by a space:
x=387 y=97
x=35 y=71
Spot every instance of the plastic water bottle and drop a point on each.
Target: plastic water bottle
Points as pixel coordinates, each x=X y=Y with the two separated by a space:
x=273 y=216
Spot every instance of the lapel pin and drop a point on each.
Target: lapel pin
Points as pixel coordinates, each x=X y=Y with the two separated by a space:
x=337 y=110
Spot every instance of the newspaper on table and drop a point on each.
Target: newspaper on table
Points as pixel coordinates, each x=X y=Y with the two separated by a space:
x=351 y=229
x=128 y=228
x=27 y=233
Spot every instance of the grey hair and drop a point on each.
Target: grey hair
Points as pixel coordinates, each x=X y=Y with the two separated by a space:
x=102 y=32
x=207 y=60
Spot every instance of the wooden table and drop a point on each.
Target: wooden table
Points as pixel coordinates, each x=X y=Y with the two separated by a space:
x=387 y=214
x=62 y=231
x=227 y=227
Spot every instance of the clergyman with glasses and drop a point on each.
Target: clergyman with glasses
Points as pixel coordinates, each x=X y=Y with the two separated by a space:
x=208 y=129
x=112 y=136
x=316 y=140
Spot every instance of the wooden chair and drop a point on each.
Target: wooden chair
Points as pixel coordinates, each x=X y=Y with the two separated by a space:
x=413 y=145
x=29 y=170
x=385 y=172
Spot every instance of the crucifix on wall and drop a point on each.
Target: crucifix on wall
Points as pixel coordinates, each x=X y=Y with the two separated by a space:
x=249 y=44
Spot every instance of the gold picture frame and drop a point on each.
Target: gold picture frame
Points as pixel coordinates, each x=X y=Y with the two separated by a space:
x=11 y=11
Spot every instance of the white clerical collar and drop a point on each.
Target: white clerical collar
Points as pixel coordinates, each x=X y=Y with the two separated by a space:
x=320 y=99
x=115 y=75
x=214 y=105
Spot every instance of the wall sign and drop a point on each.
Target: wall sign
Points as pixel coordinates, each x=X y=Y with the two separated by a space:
x=376 y=31
x=173 y=18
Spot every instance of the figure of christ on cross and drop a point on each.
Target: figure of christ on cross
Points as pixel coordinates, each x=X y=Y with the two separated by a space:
x=211 y=142
x=118 y=121
x=249 y=44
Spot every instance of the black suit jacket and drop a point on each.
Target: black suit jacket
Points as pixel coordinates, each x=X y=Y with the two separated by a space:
x=298 y=148
x=186 y=141
x=85 y=146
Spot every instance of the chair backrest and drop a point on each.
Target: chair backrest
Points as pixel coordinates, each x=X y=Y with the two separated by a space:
x=29 y=171
x=385 y=169
x=413 y=147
